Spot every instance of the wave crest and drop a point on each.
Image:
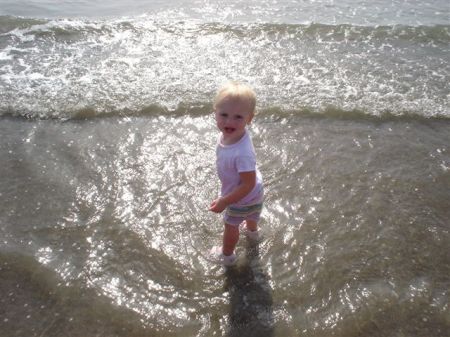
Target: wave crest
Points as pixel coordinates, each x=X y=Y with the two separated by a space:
x=70 y=68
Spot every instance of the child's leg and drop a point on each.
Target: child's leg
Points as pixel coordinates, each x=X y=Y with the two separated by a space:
x=230 y=239
x=252 y=225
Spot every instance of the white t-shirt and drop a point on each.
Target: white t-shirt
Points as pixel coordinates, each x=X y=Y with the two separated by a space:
x=233 y=159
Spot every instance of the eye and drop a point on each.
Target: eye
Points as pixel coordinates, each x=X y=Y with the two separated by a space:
x=239 y=117
x=223 y=114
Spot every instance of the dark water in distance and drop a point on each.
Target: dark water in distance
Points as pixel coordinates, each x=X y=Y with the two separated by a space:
x=107 y=168
x=367 y=13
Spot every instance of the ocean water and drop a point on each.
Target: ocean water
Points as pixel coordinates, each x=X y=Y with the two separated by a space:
x=108 y=167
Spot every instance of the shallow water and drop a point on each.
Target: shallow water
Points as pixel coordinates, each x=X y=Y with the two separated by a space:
x=107 y=168
x=107 y=217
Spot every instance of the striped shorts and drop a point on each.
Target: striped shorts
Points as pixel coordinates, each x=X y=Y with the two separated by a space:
x=235 y=215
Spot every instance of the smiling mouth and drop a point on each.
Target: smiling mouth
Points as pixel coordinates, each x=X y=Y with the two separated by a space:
x=229 y=130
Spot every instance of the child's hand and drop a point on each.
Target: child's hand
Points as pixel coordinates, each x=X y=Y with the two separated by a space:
x=217 y=206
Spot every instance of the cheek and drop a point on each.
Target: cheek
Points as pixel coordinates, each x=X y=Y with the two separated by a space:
x=242 y=122
x=220 y=123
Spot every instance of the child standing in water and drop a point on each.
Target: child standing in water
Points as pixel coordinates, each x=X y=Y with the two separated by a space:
x=242 y=189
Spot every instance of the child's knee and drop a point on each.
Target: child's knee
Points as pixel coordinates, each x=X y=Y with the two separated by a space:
x=231 y=227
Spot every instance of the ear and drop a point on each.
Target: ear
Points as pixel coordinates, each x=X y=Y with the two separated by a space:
x=250 y=118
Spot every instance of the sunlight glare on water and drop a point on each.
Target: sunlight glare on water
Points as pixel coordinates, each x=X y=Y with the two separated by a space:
x=108 y=168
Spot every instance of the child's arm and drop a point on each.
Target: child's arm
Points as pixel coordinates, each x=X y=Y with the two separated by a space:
x=248 y=181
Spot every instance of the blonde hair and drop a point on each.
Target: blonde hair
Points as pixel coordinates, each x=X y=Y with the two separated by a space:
x=235 y=91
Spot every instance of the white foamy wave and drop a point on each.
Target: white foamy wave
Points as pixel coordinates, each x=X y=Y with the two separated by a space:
x=57 y=68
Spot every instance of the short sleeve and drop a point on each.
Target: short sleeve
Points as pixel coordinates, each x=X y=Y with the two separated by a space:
x=245 y=164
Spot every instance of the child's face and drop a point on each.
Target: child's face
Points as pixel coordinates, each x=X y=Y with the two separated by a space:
x=232 y=117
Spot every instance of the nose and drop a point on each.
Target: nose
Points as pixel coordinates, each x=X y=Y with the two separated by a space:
x=229 y=122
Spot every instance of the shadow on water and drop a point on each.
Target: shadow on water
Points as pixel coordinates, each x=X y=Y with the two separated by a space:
x=251 y=312
x=35 y=301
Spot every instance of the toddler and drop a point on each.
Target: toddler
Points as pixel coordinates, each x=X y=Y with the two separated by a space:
x=242 y=190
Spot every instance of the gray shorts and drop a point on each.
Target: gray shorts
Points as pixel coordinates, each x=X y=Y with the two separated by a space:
x=235 y=215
